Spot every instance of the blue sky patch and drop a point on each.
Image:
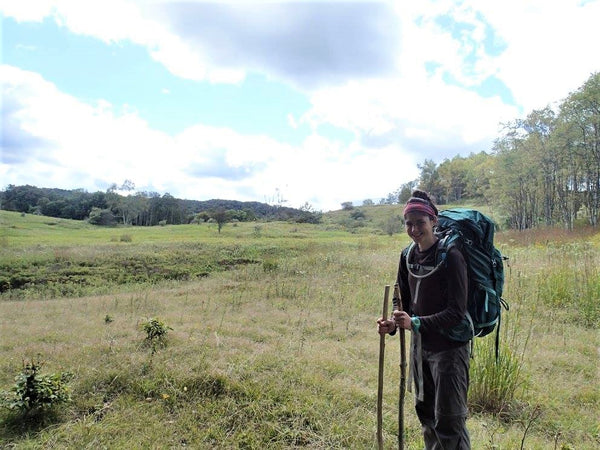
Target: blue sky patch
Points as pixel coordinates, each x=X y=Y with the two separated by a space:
x=456 y=29
x=492 y=43
x=490 y=87
x=431 y=67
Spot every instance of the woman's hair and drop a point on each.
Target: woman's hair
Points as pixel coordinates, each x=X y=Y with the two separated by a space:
x=421 y=202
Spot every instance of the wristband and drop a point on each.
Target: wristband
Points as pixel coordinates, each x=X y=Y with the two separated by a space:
x=415 y=323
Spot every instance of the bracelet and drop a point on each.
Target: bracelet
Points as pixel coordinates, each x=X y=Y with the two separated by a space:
x=415 y=323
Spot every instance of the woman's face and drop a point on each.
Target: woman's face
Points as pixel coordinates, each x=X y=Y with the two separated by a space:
x=419 y=227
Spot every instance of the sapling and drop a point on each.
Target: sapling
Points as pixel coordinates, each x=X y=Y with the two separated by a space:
x=33 y=391
x=156 y=332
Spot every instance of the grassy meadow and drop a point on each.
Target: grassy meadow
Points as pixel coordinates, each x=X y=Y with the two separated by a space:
x=272 y=340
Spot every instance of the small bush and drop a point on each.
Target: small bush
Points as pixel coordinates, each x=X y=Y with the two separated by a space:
x=392 y=225
x=156 y=332
x=358 y=214
x=270 y=265
x=102 y=217
x=34 y=391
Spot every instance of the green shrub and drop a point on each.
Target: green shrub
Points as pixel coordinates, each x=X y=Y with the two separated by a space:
x=392 y=225
x=270 y=265
x=358 y=214
x=34 y=391
x=156 y=332
x=102 y=217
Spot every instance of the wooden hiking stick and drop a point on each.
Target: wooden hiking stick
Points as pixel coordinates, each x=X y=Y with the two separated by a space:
x=402 y=390
x=386 y=297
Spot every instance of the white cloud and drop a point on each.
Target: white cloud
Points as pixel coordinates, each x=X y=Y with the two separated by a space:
x=292 y=121
x=94 y=145
x=422 y=117
x=306 y=43
x=116 y=21
x=551 y=47
x=32 y=10
x=91 y=142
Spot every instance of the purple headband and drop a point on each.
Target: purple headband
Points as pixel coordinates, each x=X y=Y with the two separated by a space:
x=419 y=207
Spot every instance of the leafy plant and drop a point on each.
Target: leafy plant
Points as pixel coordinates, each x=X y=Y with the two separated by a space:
x=156 y=332
x=34 y=391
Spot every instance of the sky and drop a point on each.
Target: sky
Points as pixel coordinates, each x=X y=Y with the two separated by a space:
x=295 y=103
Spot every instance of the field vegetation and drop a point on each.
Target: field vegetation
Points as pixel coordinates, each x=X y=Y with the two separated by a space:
x=264 y=336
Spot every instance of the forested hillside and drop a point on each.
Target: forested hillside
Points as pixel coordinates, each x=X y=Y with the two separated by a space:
x=141 y=208
x=543 y=169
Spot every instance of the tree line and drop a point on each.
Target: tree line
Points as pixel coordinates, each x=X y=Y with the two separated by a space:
x=141 y=208
x=543 y=170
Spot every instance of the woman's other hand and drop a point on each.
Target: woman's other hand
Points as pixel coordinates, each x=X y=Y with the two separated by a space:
x=385 y=326
x=402 y=319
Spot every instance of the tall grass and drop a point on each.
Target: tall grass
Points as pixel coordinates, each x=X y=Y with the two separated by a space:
x=572 y=283
x=497 y=380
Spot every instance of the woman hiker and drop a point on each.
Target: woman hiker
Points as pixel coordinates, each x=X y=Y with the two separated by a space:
x=433 y=299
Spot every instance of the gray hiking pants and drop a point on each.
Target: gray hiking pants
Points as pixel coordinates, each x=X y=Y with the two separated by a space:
x=442 y=407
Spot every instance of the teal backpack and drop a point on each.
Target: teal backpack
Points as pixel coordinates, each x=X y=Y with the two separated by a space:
x=473 y=233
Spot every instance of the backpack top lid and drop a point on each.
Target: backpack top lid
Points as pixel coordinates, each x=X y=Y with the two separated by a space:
x=472 y=224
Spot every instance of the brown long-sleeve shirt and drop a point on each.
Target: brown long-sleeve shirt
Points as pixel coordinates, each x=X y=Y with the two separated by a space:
x=441 y=302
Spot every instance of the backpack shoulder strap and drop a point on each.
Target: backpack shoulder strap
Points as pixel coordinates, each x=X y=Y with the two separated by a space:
x=408 y=251
x=441 y=252
x=413 y=268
